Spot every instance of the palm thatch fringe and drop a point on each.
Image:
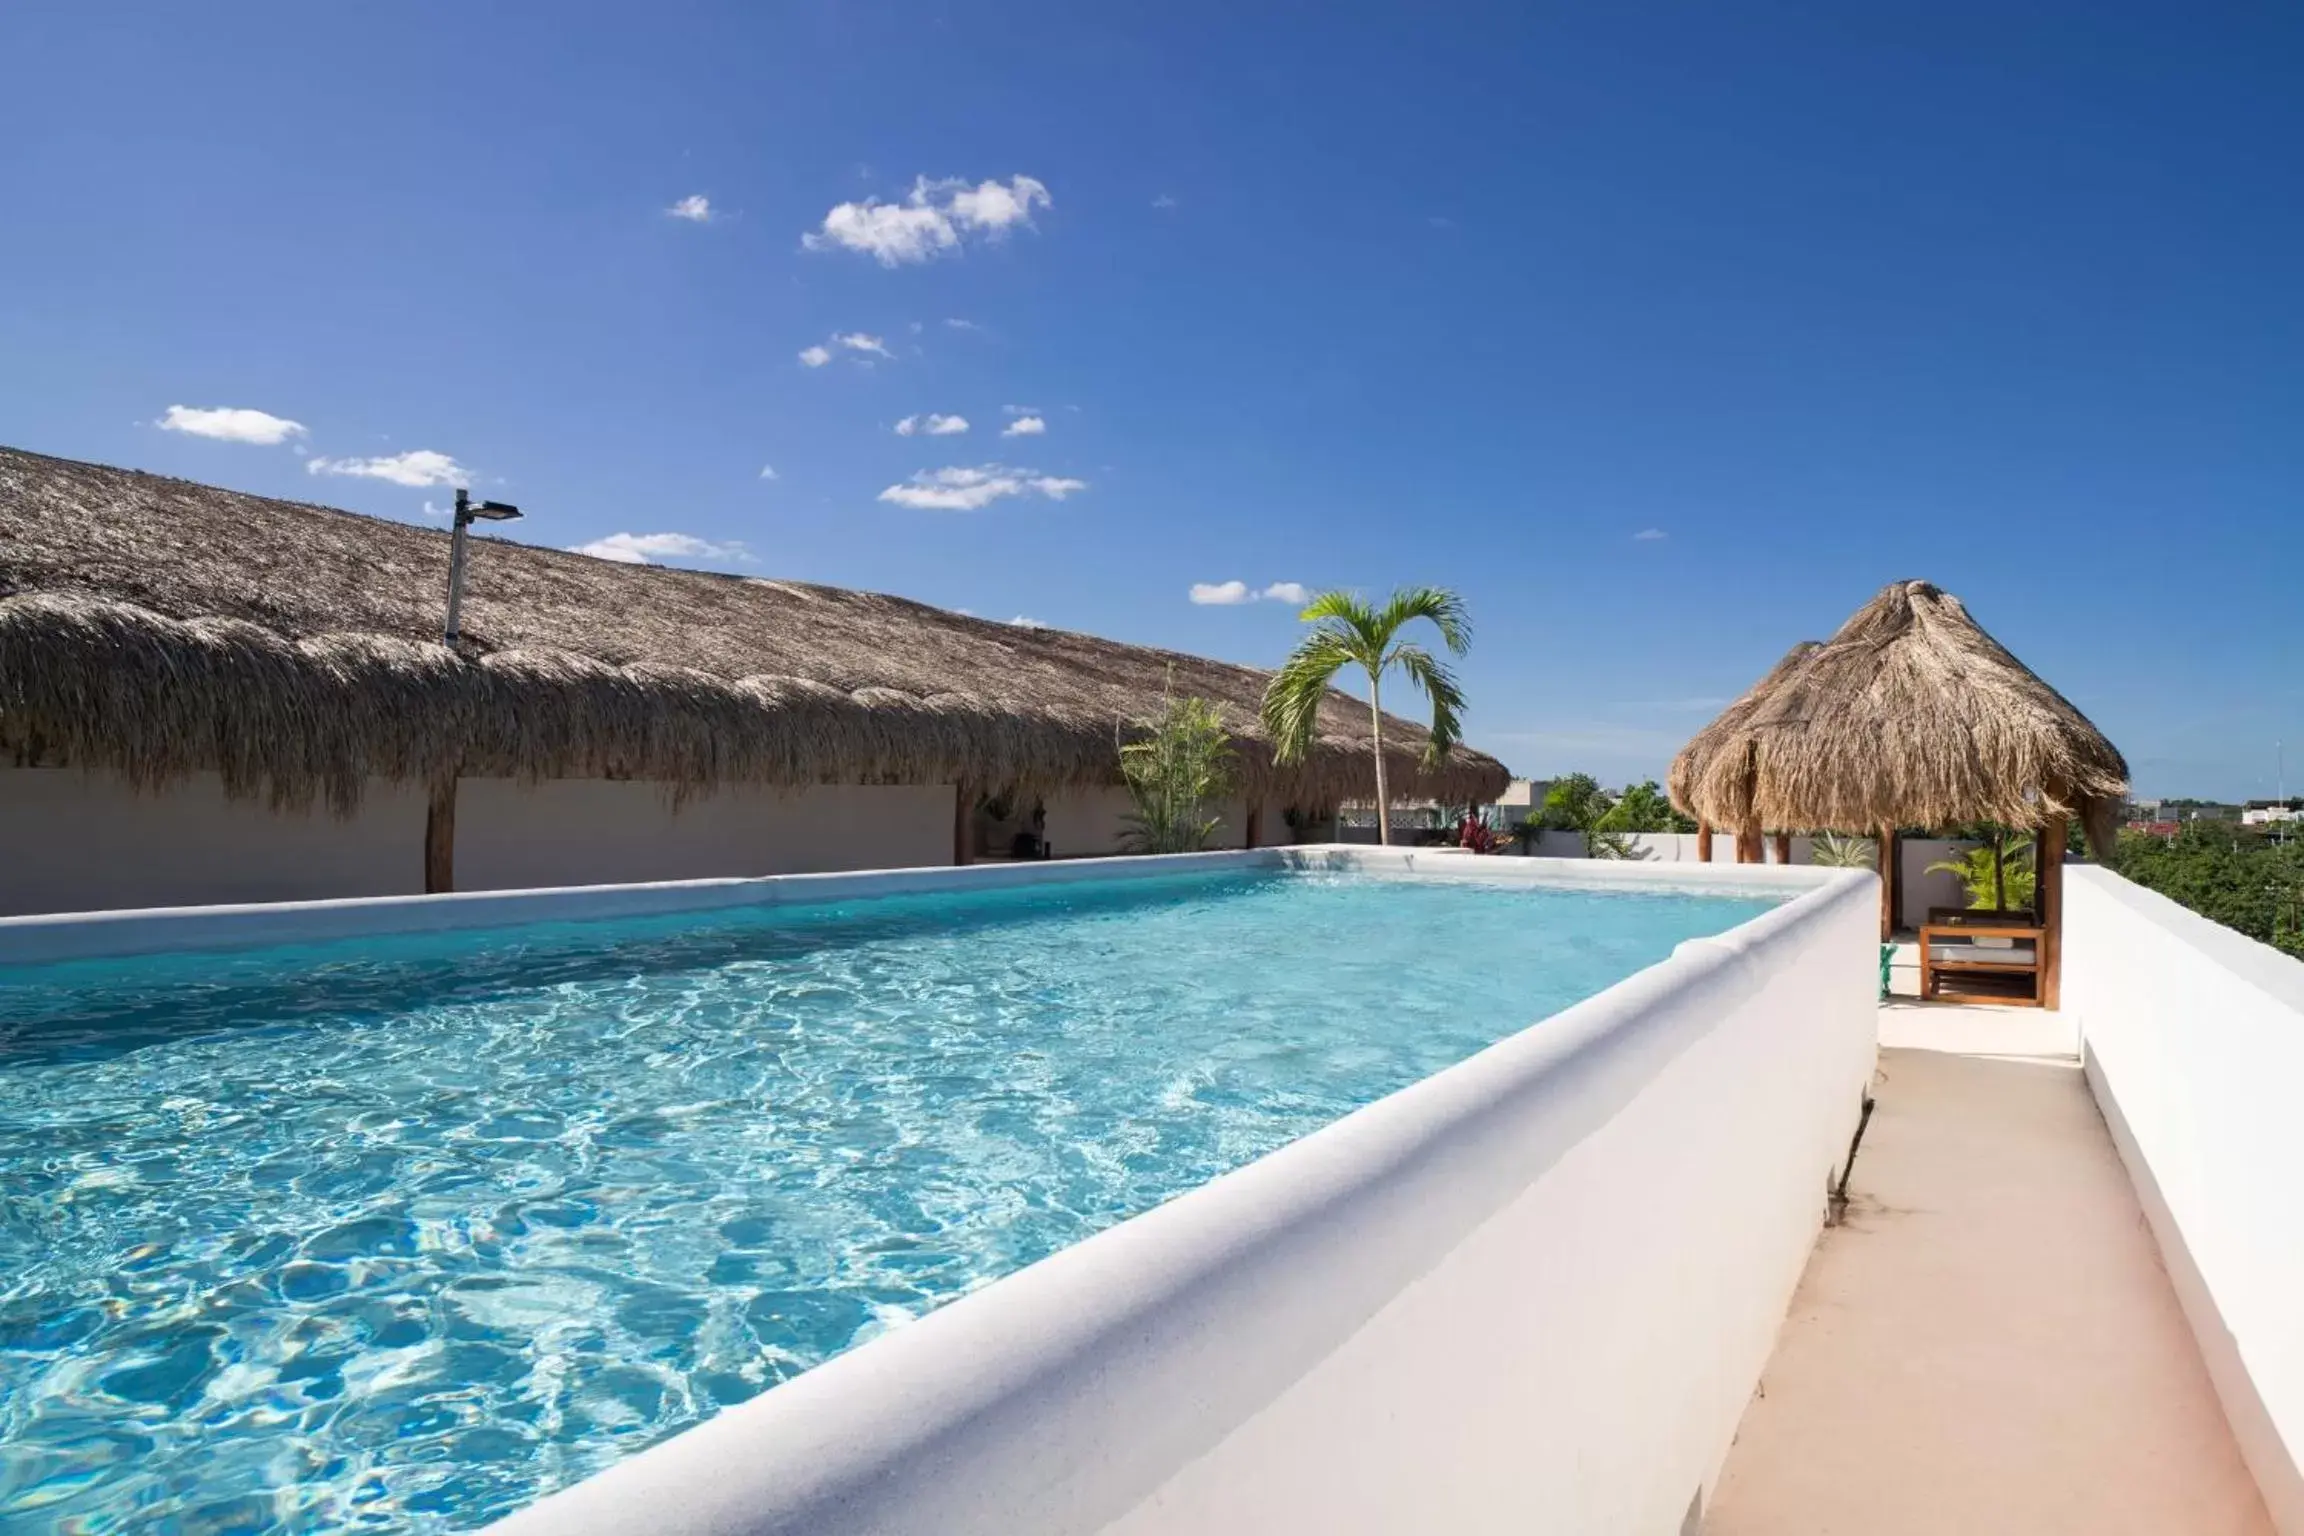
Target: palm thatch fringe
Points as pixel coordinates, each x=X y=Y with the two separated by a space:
x=1910 y=716
x=1723 y=734
x=160 y=627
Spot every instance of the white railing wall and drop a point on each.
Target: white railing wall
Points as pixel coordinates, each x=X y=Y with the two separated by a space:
x=1533 y=1292
x=2193 y=1039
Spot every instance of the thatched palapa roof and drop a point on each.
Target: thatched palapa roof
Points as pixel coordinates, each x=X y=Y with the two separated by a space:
x=1724 y=734
x=1910 y=716
x=157 y=627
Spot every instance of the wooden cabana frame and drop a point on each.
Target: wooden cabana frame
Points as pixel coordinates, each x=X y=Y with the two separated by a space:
x=1911 y=715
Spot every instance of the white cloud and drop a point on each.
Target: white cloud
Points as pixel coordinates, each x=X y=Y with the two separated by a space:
x=815 y=357
x=696 y=208
x=416 y=467
x=767 y=471
x=963 y=489
x=963 y=325
x=1164 y=202
x=231 y=424
x=1225 y=594
x=932 y=220
x=1025 y=426
x=647 y=548
x=433 y=511
x=1022 y=622
x=857 y=341
x=934 y=424
x=1649 y=535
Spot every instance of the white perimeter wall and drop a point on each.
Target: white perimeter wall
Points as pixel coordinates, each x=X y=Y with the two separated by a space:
x=2193 y=1037
x=1087 y=823
x=510 y=835
x=74 y=842
x=1918 y=888
x=1532 y=1293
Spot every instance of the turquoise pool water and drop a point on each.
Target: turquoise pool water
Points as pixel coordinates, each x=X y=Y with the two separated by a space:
x=401 y=1234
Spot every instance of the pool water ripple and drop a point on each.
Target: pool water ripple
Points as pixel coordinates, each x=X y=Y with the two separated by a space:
x=401 y=1234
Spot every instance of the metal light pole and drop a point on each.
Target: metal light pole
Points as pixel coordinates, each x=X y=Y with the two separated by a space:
x=467 y=512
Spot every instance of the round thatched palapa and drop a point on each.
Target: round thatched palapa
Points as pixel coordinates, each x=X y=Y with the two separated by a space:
x=1723 y=734
x=1910 y=716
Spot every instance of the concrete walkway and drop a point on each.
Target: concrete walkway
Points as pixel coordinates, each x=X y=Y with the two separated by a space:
x=1988 y=1344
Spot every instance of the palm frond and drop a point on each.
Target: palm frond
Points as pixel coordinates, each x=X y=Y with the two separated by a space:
x=1444 y=608
x=1439 y=685
x=1293 y=698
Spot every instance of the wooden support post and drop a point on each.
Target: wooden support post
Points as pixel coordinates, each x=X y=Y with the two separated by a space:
x=1703 y=842
x=963 y=819
x=1749 y=847
x=2048 y=909
x=440 y=839
x=1783 y=847
x=1888 y=892
x=1255 y=824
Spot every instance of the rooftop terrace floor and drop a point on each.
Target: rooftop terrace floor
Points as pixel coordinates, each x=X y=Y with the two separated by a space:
x=1988 y=1343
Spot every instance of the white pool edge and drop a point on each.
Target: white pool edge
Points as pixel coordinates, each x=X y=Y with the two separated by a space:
x=41 y=938
x=1113 y=1385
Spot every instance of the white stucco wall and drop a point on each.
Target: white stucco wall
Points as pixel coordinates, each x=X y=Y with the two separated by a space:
x=75 y=842
x=2193 y=1038
x=511 y=836
x=1087 y=823
x=1531 y=1293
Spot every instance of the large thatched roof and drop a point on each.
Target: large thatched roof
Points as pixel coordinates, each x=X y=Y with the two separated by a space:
x=156 y=627
x=1910 y=716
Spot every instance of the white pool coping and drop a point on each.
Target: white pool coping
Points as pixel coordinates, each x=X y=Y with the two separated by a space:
x=47 y=937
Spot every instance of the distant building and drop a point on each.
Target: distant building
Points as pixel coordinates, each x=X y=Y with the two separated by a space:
x=2195 y=810
x=2258 y=813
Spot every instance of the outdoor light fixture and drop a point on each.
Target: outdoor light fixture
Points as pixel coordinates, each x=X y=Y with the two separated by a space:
x=467 y=513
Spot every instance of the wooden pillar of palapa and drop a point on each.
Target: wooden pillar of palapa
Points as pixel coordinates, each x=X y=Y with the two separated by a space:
x=1888 y=893
x=1750 y=849
x=2048 y=905
x=1255 y=824
x=1703 y=842
x=440 y=838
x=963 y=811
x=1783 y=847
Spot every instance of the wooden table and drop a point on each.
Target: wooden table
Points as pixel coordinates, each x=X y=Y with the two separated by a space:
x=1953 y=966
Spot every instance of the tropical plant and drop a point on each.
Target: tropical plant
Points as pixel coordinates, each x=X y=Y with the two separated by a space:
x=1349 y=631
x=1607 y=843
x=1643 y=808
x=1837 y=850
x=2247 y=879
x=1574 y=803
x=1177 y=772
x=1997 y=874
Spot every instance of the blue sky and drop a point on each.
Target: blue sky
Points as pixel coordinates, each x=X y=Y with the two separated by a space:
x=1667 y=334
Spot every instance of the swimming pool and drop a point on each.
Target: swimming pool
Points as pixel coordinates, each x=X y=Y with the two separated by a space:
x=402 y=1233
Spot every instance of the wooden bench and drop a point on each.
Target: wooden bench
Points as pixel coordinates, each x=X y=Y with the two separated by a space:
x=1954 y=967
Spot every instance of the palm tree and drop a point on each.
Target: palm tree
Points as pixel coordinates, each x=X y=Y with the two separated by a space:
x=1347 y=631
